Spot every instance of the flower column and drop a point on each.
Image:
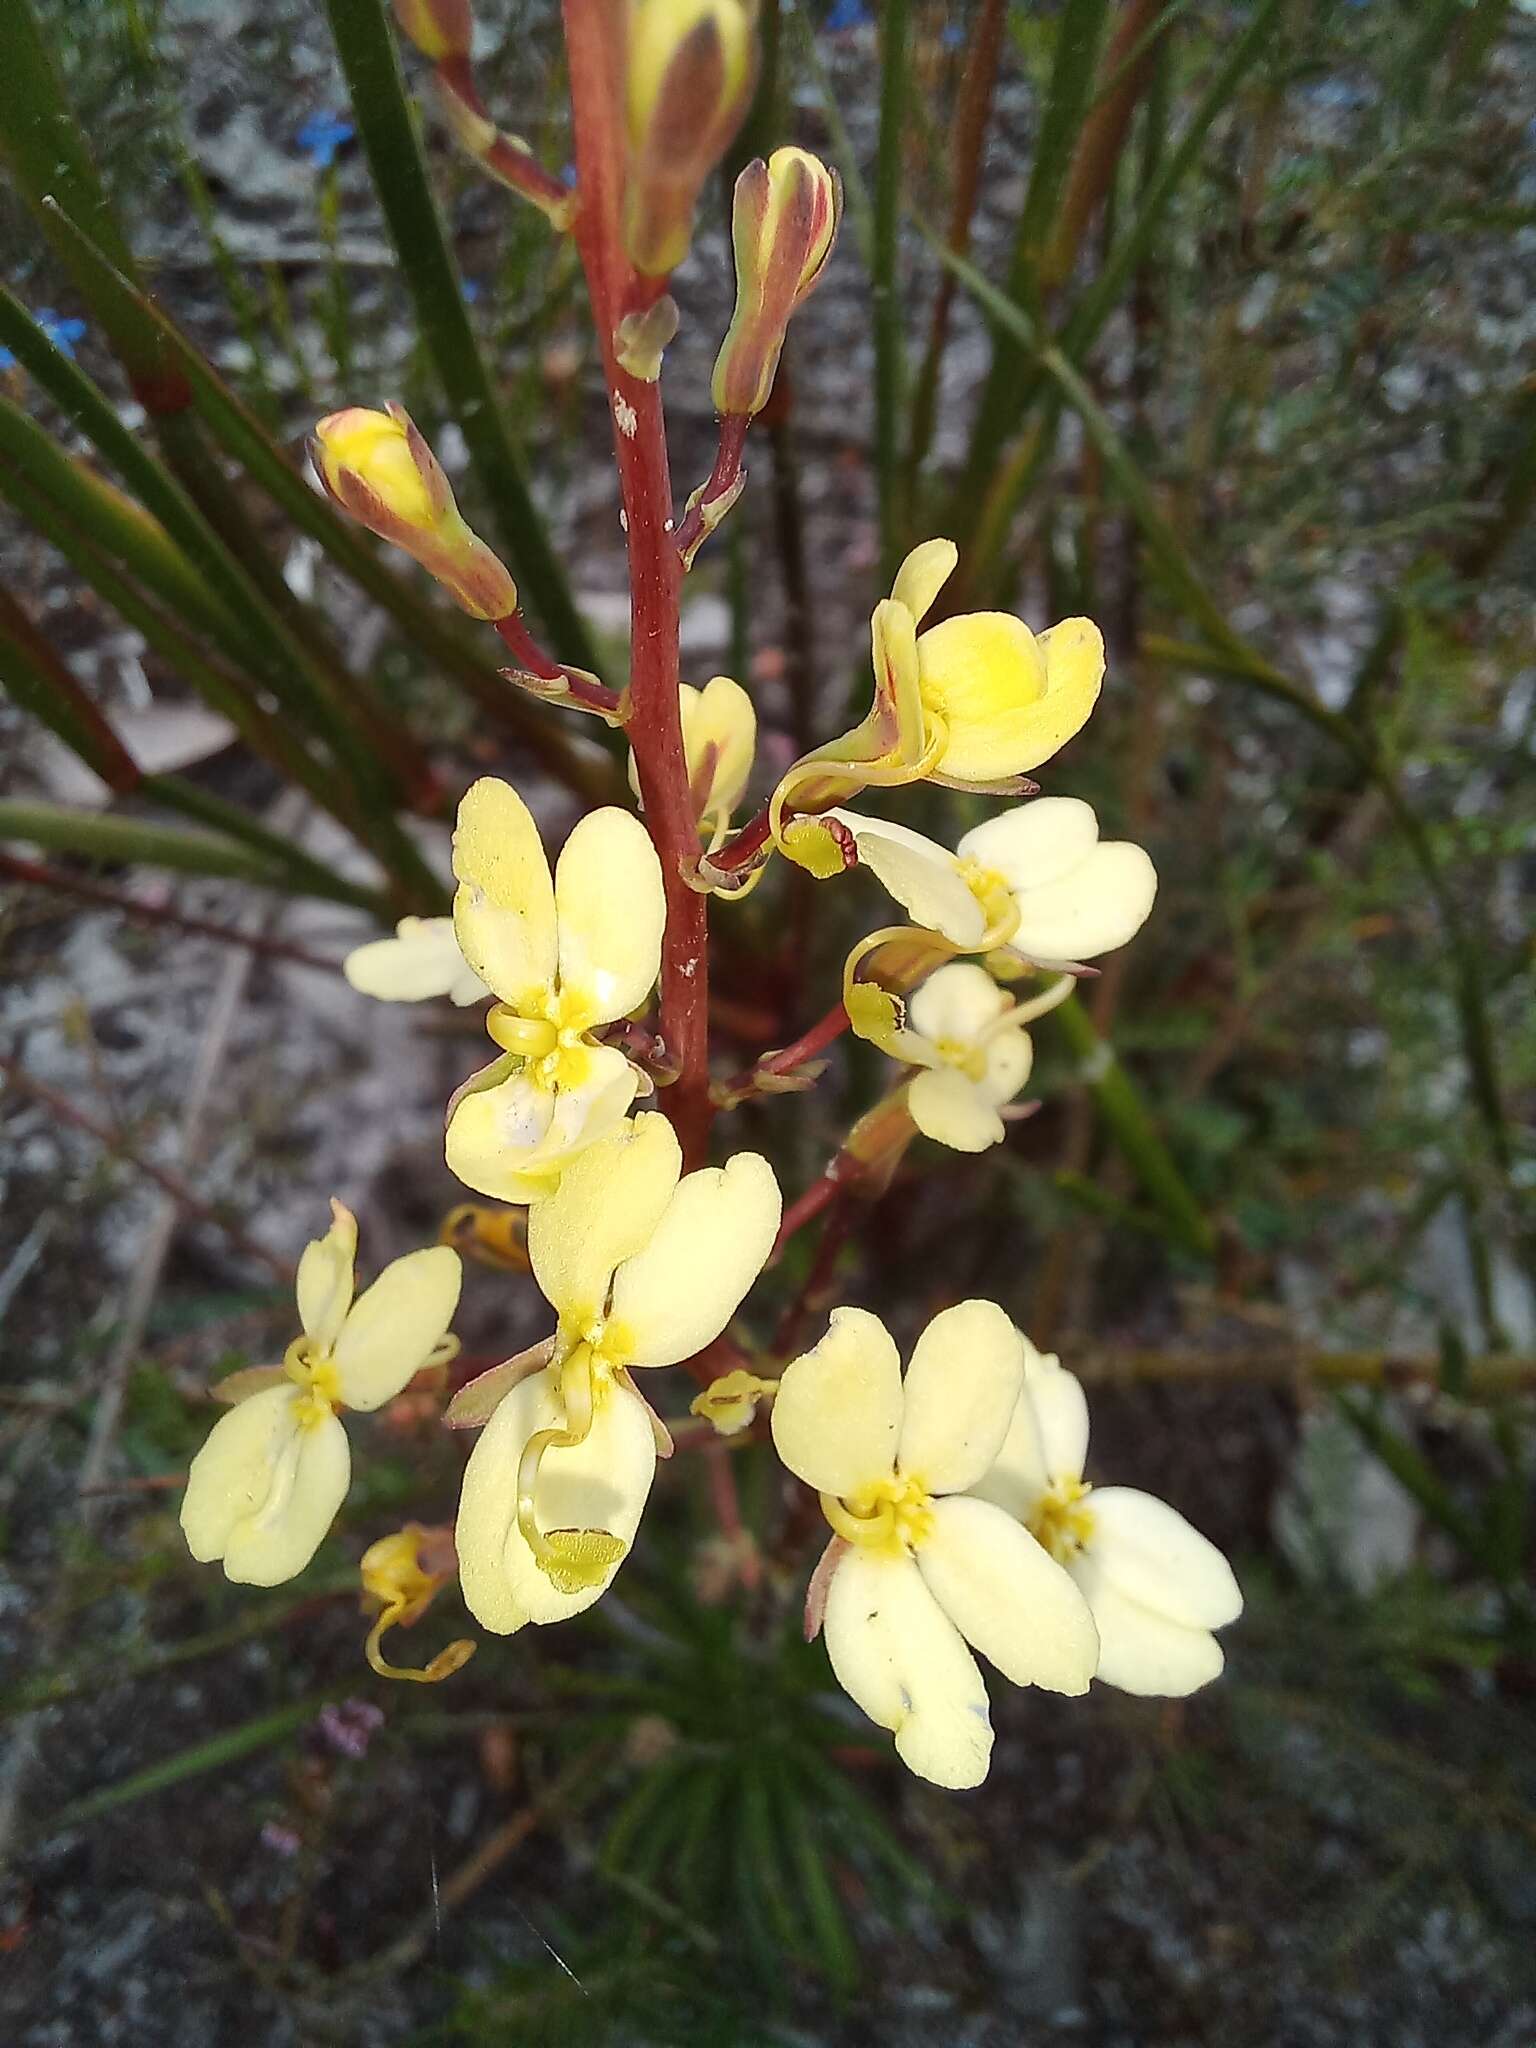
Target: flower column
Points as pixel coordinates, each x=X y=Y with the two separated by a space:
x=595 y=32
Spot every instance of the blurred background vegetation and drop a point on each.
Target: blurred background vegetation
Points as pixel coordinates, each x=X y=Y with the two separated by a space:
x=1213 y=321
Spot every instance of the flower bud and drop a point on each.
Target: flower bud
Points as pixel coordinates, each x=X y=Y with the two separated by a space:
x=441 y=29
x=690 y=66
x=783 y=223
x=376 y=466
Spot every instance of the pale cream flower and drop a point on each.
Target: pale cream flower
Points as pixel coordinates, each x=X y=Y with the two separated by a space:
x=563 y=956
x=719 y=740
x=422 y=960
x=1156 y=1586
x=962 y=1029
x=644 y=1266
x=927 y=1567
x=265 y=1487
x=1037 y=879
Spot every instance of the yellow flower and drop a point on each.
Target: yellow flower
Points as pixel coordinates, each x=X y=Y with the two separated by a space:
x=689 y=68
x=922 y=1566
x=972 y=703
x=1155 y=1586
x=784 y=217
x=378 y=468
x=265 y=1487
x=643 y=1266
x=1036 y=879
x=967 y=1036
x=563 y=956
x=399 y=1587
x=719 y=739
x=422 y=960
x=730 y=1402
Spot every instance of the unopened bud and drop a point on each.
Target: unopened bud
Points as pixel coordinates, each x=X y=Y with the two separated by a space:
x=440 y=29
x=690 y=66
x=377 y=467
x=783 y=223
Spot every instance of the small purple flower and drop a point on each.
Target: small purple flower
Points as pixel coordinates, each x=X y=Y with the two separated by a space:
x=61 y=332
x=321 y=136
x=471 y=289
x=280 y=1838
x=350 y=1725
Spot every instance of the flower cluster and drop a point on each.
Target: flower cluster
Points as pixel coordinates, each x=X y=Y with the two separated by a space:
x=961 y=1520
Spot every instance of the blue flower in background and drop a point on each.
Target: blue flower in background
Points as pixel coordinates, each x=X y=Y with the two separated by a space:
x=321 y=136
x=848 y=14
x=471 y=290
x=61 y=332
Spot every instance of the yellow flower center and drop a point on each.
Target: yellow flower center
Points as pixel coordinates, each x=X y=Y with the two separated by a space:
x=314 y=1373
x=891 y=1515
x=1060 y=1523
x=550 y=1035
x=996 y=899
x=964 y=1053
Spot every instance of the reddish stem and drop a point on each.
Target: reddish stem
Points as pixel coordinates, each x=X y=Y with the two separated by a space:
x=742 y=848
x=805 y=1047
x=580 y=688
x=593 y=33
x=723 y=479
x=803 y=1211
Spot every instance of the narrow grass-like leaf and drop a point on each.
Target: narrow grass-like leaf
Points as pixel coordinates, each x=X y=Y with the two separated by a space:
x=367 y=51
x=193 y=1762
x=1127 y=1119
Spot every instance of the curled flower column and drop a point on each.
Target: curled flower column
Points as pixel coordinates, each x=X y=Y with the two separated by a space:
x=1157 y=1588
x=563 y=955
x=921 y=1567
x=644 y=1266
x=265 y=1487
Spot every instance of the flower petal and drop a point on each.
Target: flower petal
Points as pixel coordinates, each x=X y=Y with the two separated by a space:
x=837 y=1415
x=923 y=876
x=1096 y=908
x=601 y=1483
x=1035 y=843
x=394 y=1324
x=514 y=1139
x=720 y=716
x=678 y=1294
x=1150 y=1553
x=962 y=1387
x=1010 y=701
x=504 y=909
x=231 y=1476
x=610 y=1199
x=954 y=1111
x=898 y=1657
x=325 y=1277
x=1047 y=1439
x=420 y=961
x=957 y=1002
x=610 y=908
x=310 y=1484
x=1008 y=1599
x=1061 y=1412
x=263 y=1491
x=924 y=574
x=1142 y=1652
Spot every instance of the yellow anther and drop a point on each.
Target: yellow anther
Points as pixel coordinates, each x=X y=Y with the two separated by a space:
x=315 y=1375
x=1060 y=1523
